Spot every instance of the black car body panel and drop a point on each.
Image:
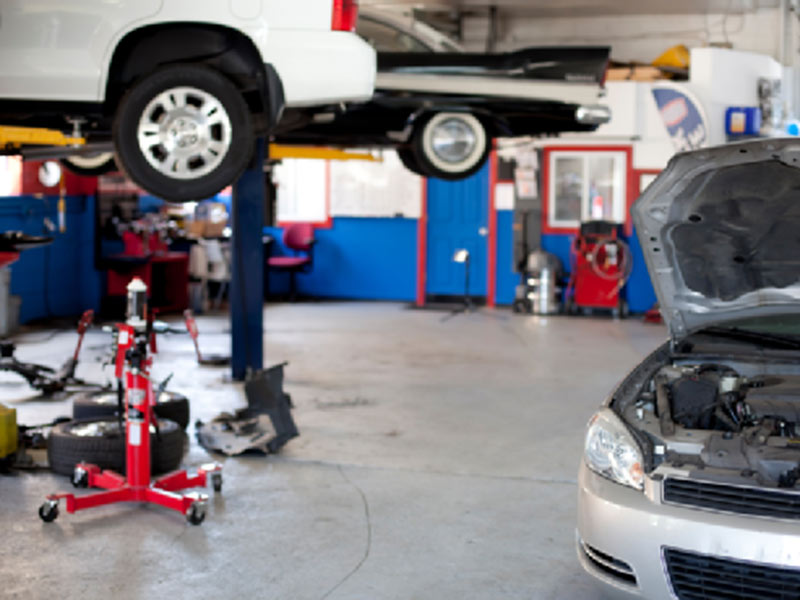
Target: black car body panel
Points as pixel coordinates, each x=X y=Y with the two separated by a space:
x=472 y=79
x=578 y=64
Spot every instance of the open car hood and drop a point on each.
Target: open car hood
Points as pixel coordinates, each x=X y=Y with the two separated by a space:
x=720 y=231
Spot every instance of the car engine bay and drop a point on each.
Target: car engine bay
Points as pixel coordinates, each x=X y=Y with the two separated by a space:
x=728 y=423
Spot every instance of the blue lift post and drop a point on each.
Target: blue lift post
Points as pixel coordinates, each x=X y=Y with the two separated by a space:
x=247 y=268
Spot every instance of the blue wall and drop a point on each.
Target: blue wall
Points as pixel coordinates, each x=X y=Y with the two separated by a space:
x=376 y=259
x=359 y=258
x=60 y=279
x=507 y=278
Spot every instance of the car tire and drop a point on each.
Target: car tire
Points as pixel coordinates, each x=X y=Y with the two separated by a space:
x=457 y=159
x=69 y=444
x=92 y=165
x=183 y=133
x=94 y=405
x=409 y=160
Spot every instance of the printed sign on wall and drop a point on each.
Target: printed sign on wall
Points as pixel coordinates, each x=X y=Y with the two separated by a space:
x=683 y=117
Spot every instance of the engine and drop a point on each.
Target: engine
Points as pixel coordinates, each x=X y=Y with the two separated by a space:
x=749 y=425
x=715 y=397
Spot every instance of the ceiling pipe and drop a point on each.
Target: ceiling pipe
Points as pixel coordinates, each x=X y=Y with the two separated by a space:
x=491 y=38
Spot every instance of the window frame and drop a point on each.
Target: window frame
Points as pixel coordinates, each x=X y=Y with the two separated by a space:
x=549 y=155
x=281 y=219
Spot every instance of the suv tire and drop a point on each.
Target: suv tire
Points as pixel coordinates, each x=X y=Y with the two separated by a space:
x=183 y=132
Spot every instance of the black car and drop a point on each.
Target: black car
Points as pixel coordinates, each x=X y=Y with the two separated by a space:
x=441 y=107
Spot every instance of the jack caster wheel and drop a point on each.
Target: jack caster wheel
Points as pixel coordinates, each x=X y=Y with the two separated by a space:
x=216 y=481
x=48 y=511
x=80 y=478
x=196 y=513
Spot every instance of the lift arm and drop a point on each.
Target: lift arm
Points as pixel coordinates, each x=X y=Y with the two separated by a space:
x=14 y=137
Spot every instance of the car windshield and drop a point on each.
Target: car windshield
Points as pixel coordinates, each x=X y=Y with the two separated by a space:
x=385 y=38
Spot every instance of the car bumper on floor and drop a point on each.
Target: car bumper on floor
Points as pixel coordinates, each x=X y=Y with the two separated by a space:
x=332 y=67
x=625 y=536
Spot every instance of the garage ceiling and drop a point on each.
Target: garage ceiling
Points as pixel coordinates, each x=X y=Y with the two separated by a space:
x=585 y=8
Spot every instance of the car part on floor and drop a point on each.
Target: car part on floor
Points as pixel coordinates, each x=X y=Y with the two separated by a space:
x=32 y=447
x=93 y=405
x=46 y=379
x=264 y=426
x=184 y=132
x=102 y=443
x=216 y=360
x=601 y=266
x=132 y=340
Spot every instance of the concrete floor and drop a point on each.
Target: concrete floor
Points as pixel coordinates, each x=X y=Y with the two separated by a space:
x=437 y=459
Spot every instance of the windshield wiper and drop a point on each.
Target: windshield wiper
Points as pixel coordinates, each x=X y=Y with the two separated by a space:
x=771 y=340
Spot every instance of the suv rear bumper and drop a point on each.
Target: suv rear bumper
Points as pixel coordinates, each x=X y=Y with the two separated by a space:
x=322 y=67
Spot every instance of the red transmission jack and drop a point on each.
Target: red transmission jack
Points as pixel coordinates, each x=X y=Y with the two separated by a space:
x=601 y=265
x=131 y=360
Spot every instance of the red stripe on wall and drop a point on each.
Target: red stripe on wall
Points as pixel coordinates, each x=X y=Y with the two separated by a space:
x=422 y=242
x=491 y=241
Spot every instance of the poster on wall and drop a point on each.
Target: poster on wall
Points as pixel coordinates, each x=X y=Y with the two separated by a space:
x=301 y=190
x=683 y=116
x=375 y=189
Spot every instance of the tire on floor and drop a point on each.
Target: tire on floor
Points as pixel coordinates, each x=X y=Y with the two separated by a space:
x=102 y=443
x=96 y=405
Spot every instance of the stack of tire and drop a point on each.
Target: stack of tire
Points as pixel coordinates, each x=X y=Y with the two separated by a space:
x=96 y=435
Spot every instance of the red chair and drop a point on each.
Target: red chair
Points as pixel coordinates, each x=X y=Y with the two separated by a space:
x=300 y=238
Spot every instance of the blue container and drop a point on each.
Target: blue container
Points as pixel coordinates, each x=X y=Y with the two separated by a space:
x=742 y=120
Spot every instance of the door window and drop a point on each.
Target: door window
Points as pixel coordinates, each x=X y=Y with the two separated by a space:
x=586 y=186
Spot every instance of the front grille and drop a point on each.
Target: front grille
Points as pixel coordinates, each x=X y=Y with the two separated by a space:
x=613 y=567
x=702 y=577
x=768 y=502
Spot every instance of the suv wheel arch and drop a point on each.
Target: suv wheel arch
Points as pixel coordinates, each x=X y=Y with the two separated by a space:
x=227 y=50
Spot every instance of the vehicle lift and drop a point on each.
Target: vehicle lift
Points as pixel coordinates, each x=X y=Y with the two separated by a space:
x=132 y=339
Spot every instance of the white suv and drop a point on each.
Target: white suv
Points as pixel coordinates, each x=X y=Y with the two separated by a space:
x=181 y=86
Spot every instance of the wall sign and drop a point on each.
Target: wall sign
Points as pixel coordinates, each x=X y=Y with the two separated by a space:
x=683 y=117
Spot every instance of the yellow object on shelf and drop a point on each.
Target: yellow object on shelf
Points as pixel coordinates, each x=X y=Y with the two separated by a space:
x=8 y=431
x=278 y=151
x=676 y=57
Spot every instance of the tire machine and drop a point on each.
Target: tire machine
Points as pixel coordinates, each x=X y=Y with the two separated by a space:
x=132 y=339
x=601 y=265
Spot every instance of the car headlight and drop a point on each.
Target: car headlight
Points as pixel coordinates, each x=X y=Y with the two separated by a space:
x=611 y=451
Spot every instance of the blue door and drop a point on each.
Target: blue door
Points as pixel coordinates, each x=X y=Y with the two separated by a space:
x=457 y=219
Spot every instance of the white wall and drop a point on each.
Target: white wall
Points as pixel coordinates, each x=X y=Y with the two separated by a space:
x=636 y=37
x=723 y=78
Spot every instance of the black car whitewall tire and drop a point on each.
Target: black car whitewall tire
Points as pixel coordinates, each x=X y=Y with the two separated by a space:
x=183 y=132
x=409 y=160
x=451 y=145
x=91 y=165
